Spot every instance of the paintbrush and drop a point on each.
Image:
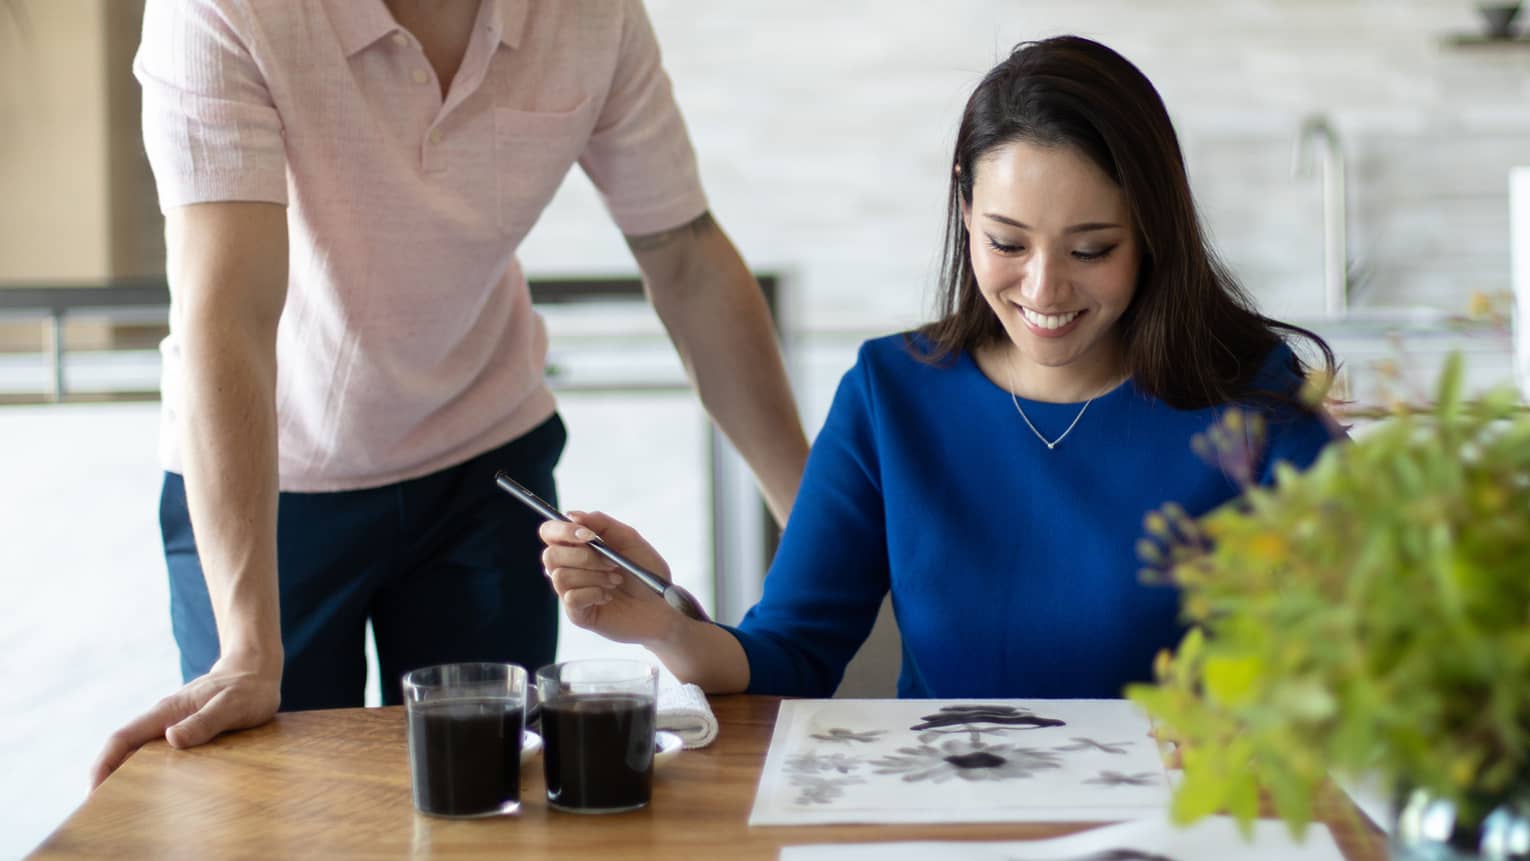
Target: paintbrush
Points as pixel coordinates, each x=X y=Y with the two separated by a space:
x=675 y=596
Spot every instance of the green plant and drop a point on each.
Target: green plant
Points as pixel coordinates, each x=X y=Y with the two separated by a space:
x=1370 y=613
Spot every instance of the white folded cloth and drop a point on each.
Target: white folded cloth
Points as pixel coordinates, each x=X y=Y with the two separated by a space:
x=684 y=711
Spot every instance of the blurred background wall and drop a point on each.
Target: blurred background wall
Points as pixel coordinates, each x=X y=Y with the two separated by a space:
x=824 y=131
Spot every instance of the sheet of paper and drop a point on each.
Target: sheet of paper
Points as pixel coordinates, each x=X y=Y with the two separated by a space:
x=1369 y=793
x=1213 y=839
x=960 y=761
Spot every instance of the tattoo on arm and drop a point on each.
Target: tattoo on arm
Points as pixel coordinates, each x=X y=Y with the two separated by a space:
x=697 y=226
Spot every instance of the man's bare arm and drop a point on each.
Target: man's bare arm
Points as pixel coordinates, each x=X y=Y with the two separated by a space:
x=717 y=317
x=228 y=266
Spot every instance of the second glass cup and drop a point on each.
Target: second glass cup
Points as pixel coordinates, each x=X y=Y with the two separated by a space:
x=598 y=720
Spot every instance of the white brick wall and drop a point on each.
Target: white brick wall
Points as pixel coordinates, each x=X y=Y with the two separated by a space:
x=824 y=129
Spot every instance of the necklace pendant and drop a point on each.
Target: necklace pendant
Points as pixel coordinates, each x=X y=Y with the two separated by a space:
x=1051 y=444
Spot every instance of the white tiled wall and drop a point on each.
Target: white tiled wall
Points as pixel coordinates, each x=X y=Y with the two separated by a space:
x=824 y=130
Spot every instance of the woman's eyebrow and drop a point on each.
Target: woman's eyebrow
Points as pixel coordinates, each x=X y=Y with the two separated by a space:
x=1085 y=227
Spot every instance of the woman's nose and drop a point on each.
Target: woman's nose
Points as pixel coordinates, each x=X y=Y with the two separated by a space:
x=1044 y=279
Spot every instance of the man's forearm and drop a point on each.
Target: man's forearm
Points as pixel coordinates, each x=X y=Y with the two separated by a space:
x=717 y=317
x=228 y=443
x=732 y=356
x=229 y=269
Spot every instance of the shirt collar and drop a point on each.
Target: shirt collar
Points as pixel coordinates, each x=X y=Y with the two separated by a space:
x=511 y=15
x=360 y=23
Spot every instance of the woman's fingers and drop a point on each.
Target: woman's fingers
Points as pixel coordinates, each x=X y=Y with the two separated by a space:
x=586 y=526
x=596 y=593
x=577 y=556
x=564 y=579
x=562 y=532
x=585 y=597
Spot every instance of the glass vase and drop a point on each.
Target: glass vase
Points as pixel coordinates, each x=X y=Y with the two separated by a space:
x=1430 y=827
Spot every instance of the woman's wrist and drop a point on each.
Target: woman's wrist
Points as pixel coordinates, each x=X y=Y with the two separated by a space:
x=704 y=654
x=677 y=645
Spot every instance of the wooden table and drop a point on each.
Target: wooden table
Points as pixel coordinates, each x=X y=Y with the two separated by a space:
x=336 y=784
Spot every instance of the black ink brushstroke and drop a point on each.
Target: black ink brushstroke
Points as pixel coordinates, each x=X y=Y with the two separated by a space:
x=842 y=734
x=976 y=759
x=1101 y=746
x=1116 y=778
x=971 y=714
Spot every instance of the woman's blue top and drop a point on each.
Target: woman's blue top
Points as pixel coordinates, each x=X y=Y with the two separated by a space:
x=1013 y=568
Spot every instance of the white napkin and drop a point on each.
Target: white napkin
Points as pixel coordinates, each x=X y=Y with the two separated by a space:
x=683 y=710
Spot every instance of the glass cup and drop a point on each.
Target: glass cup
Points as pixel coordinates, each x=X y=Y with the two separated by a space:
x=465 y=723
x=598 y=721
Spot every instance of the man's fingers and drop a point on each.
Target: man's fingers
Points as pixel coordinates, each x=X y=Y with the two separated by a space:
x=144 y=728
x=109 y=759
x=203 y=725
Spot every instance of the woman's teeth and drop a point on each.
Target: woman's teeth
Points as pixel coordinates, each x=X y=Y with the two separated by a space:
x=1049 y=321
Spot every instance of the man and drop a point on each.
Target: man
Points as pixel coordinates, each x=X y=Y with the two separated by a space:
x=345 y=183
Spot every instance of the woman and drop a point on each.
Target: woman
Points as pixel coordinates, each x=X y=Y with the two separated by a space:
x=993 y=469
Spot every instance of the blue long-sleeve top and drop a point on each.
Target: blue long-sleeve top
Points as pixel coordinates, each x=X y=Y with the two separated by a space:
x=1013 y=568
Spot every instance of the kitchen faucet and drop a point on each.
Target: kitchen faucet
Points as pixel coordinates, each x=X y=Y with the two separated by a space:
x=1331 y=164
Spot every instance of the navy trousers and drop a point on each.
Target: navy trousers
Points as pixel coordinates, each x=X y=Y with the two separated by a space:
x=447 y=567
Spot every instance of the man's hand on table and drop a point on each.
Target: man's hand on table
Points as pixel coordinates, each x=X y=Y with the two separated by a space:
x=235 y=694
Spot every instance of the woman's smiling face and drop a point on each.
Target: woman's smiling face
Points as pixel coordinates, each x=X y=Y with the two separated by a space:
x=1056 y=257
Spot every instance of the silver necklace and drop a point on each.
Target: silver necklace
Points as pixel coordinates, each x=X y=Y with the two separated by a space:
x=1050 y=443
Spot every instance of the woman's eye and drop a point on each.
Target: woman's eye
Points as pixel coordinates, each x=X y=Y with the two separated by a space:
x=1003 y=248
x=1094 y=254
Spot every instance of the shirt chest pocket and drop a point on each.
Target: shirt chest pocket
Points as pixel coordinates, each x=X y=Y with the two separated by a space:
x=533 y=151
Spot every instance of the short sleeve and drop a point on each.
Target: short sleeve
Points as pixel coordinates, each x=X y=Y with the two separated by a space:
x=210 y=128
x=639 y=154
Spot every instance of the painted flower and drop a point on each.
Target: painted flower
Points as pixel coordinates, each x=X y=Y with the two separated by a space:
x=1116 y=778
x=966 y=760
x=821 y=790
x=841 y=734
x=1091 y=744
x=814 y=763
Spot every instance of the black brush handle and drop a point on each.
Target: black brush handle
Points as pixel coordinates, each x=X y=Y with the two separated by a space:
x=540 y=506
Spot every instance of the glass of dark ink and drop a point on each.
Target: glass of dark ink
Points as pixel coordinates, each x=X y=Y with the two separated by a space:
x=465 y=723
x=598 y=721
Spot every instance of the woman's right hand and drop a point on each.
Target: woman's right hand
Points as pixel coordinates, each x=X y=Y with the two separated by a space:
x=595 y=593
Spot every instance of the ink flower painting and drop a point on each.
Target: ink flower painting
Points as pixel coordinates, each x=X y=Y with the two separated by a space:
x=959 y=761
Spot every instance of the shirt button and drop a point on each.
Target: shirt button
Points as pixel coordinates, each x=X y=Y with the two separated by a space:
x=401 y=40
x=420 y=76
x=436 y=136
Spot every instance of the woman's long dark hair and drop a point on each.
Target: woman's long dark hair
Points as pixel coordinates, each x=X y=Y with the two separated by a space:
x=1190 y=336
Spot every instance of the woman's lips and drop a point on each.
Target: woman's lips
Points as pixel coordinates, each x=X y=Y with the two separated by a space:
x=1050 y=325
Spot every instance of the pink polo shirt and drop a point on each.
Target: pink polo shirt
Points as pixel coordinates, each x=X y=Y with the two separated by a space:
x=408 y=342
